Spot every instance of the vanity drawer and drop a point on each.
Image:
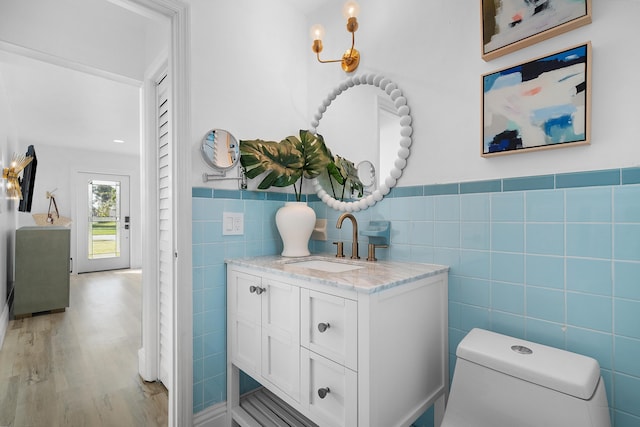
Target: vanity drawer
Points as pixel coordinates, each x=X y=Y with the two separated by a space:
x=330 y=390
x=329 y=326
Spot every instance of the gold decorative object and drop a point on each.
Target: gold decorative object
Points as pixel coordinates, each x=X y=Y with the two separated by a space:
x=18 y=163
x=52 y=217
x=351 y=58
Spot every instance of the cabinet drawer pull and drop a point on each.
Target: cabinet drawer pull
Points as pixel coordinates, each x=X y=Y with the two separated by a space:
x=322 y=392
x=257 y=289
x=323 y=326
x=252 y=289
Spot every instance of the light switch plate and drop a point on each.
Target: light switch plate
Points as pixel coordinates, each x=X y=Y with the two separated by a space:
x=232 y=223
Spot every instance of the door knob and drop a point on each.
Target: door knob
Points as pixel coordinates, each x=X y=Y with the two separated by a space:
x=323 y=326
x=322 y=392
x=257 y=289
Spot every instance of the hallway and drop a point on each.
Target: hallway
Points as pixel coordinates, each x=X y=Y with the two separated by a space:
x=79 y=367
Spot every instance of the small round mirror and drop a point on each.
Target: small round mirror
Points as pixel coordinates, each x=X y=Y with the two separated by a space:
x=220 y=149
x=367 y=176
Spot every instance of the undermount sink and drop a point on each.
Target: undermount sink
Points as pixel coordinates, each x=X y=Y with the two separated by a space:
x=324 y=265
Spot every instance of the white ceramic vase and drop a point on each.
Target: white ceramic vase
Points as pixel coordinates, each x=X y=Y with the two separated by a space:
x=295 y=222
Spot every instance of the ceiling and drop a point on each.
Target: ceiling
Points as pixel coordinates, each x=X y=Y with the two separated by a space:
x=61 y=100
x=59 y=106
x=55 y=102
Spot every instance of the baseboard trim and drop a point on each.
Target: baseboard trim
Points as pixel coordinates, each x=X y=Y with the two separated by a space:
x=213 y=416
x=145 y=372
x=4 y=323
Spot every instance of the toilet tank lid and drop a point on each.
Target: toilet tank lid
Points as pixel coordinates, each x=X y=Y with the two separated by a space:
x=560 y=370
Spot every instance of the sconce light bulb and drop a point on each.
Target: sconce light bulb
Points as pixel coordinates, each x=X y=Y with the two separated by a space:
x=351 y=9
x=317 y=32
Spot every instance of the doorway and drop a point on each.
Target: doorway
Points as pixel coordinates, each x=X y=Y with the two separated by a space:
x=103 y=222
x=176 y=12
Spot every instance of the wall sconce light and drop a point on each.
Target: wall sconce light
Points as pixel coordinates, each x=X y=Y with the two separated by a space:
x=351 y=58
x=18 y=163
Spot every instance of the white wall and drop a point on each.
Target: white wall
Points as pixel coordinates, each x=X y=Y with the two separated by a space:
x=249 y=68
x=7 y=211
x=431 y=49
x=58 y=168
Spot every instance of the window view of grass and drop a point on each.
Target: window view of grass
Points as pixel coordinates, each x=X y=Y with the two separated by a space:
x=103 y=239
x=103 y=228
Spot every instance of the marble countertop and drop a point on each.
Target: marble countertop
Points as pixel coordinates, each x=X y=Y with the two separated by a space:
x=370 y=277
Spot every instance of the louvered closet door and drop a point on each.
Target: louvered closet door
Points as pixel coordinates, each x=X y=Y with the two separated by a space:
x=165 y=230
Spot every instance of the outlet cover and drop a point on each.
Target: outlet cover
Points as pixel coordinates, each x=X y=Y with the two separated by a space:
x=232 y=223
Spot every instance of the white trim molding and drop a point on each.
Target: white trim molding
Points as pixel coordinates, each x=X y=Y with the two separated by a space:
x=65 y=63
x=181 y=382
x=213 y=416
x=180 y=67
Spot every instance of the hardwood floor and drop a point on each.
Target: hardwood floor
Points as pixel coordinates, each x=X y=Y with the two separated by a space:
x=79 y=367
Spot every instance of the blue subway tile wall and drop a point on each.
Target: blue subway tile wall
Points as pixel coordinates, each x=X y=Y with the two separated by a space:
x=588 y=179
x=631 y=176
x=529 y=183
x=210 y=247
x=552 y=259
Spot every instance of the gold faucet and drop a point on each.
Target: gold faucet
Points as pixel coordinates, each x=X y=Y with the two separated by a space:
x=354 y=245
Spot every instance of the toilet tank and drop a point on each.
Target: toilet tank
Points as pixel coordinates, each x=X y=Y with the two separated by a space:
x=500 y=381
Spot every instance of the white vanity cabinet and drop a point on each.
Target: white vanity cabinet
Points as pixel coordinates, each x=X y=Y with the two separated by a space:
x=264 y=329
x=366 y=348
x=329 y=357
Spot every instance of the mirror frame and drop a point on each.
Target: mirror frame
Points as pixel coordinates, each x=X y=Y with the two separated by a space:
x=208 y=161
x=400 y=102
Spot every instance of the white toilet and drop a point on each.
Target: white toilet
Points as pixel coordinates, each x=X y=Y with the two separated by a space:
x=500 y=381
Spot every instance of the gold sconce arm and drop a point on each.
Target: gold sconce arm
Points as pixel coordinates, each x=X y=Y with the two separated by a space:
x=351 y=58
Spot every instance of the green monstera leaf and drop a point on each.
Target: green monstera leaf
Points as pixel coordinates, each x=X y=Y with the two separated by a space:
x=349 y=176
x=285 y=162
x=281 y=159
x=315 y=152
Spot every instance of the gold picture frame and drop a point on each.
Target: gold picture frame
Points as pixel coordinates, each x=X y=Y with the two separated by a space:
x=538 y=104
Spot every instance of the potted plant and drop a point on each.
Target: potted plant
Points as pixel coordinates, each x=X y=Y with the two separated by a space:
x=286 y=163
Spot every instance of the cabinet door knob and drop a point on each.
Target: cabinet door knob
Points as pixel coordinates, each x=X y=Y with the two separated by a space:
x=323 y=326
x=257 y=289
x=322 y=392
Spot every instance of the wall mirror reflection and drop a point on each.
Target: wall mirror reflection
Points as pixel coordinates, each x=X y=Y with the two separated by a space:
x=365 y=120
x=220 y=150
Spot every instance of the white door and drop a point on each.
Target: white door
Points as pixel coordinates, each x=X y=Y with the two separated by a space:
x=165 y=236
x=103 y=222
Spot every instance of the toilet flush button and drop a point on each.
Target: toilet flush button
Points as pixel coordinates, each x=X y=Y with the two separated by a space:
x=521 y=349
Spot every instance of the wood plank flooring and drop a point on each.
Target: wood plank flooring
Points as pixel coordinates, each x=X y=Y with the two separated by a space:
x=80 y=367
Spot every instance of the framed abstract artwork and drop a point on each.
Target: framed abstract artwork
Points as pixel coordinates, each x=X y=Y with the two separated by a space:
x=540 y=104
x=509 y=25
